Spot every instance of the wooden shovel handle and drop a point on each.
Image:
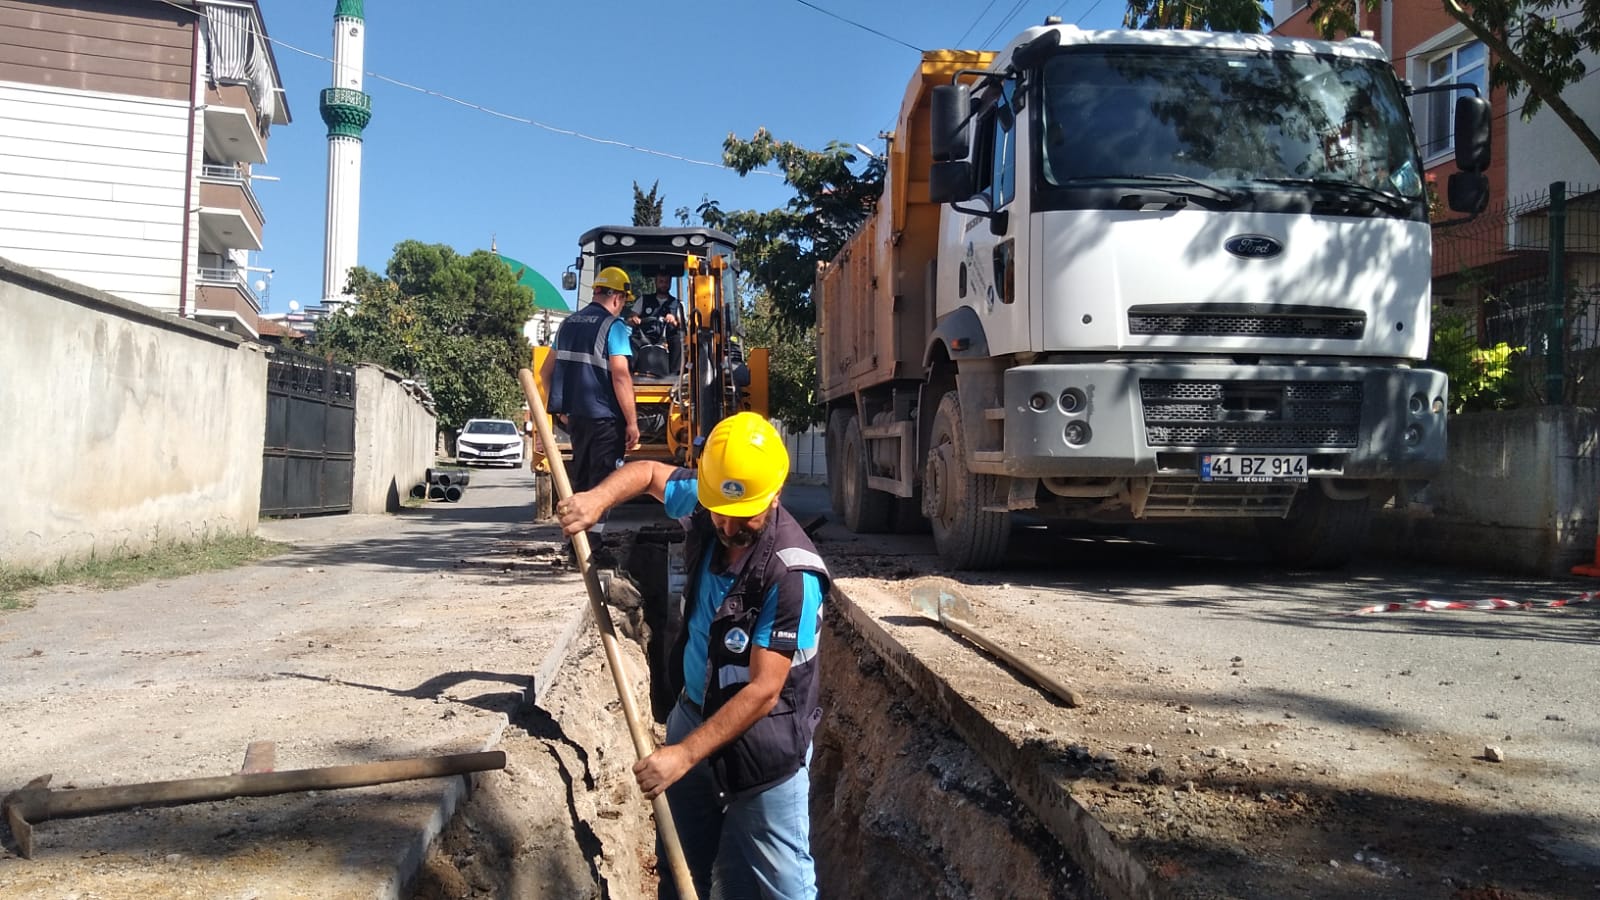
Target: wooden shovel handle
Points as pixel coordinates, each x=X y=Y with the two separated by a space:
x=643 y=744
x=1066 y=694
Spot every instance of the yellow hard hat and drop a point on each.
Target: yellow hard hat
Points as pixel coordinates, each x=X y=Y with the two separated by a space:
x=742 y=467
x=613 y=278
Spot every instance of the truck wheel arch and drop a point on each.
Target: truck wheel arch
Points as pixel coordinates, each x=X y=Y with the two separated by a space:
x=958 y=335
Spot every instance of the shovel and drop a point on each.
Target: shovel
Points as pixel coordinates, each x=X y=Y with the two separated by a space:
x=939 y=600
x=643 y=744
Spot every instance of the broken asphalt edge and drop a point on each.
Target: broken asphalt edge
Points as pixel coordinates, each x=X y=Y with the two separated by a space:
x=1110 y=868
x=458 y=788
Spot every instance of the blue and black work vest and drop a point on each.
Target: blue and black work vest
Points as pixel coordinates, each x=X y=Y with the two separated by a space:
x=582 y=384
x=775 y=747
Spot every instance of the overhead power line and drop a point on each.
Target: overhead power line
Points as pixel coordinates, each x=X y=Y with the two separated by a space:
x=554 y=129
x=875 y=31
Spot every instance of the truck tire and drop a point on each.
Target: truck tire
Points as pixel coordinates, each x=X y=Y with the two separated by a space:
x=833 y=443
x=967 y=535
x=1319 y=532
x=866 y=511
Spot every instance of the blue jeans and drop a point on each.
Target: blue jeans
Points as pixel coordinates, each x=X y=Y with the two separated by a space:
x=758 y=848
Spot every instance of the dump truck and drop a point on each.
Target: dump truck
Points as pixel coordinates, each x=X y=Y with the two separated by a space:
x=717 y=375
x=1160 y=276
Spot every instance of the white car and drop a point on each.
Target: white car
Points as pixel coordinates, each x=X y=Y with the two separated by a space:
x=485 y=441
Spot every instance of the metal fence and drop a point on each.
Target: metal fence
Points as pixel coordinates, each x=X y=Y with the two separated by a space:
x=1527 y=274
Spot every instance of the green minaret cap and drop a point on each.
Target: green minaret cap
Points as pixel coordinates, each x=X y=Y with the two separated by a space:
x=348 y=9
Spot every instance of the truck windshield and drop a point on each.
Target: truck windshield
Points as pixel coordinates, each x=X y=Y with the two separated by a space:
x=1274 y=121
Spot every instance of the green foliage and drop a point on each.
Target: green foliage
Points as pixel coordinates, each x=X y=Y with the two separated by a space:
x=791 y=364
x=453 y=322
x=647 y=207
x=1247 y=16
x=1480 y=378
x=779 y=249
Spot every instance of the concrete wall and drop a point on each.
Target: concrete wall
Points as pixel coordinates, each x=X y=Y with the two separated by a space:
x=1519 y=493
x=125 y=428
x=394 y=441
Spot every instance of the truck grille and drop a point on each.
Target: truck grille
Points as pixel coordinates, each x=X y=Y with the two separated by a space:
x=1288 y=322
x=1188 y=498
x=1251 y=415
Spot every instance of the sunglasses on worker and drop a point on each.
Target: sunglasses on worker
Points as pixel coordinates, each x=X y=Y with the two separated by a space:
x=604 y=292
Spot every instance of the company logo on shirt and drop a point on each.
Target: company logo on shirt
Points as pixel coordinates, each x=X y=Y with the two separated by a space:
x=736 y=640
x=733 y=490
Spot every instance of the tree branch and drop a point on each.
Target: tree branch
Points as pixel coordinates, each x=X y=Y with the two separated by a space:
x=1536 y=82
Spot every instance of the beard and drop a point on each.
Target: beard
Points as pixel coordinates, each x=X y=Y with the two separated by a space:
x=744 y=537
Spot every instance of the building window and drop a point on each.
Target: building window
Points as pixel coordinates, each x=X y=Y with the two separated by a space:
x=1467 y=62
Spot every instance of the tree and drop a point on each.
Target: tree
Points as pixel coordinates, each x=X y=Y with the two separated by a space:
x=453 y=322
x=1247 y=16
x=791 y=362
x=779 y=249
x=647 y=207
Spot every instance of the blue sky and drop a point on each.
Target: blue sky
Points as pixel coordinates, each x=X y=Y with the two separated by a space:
x=668 y=76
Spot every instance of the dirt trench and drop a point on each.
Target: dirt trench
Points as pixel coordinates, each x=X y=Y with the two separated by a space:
x=900 y=807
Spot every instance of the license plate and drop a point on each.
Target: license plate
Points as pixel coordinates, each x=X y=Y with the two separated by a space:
x=1251 y=469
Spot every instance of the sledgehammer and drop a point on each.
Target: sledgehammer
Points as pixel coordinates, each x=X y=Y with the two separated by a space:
x=643 y=745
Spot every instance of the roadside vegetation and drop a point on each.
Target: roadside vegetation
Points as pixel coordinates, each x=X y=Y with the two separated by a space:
x=166 y=561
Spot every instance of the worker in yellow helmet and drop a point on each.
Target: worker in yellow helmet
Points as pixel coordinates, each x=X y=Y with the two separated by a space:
x=590 y=383
x=736 y=764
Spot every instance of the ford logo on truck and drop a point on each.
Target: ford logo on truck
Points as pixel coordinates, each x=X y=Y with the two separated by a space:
x=1253 y=246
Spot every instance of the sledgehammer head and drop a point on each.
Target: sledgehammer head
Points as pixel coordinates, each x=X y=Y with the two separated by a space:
x=16 y=804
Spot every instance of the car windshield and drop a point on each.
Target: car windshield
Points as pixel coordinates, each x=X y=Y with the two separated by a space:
x=1226 y=117
x=491 y=428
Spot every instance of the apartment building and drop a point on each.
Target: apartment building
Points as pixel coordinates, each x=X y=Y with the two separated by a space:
x=128 y=130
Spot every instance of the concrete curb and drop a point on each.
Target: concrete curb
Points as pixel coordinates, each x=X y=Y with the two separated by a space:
x=1109 y=867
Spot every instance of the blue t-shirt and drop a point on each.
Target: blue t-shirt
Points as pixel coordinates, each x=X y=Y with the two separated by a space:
x=680 y=497
x=619 y=340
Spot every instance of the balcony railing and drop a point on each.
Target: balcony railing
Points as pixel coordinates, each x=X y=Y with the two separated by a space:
x=231 y=175
x=231 y=276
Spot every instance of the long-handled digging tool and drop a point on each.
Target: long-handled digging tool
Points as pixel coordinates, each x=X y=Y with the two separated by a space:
x=941 y=601
x=643 y=745
x=35 y=802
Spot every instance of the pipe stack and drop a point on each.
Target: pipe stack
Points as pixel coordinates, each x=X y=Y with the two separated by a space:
x=442 y=484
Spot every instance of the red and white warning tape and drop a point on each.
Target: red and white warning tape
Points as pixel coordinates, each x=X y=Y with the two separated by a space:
x=1489 y=603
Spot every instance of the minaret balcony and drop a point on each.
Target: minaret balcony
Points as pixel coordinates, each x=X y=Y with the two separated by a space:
x=234 y=130
x=346 y=111
x=230 y=217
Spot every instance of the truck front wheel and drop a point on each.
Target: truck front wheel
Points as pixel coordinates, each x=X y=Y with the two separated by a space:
x=968 y=536
x=1319 y=532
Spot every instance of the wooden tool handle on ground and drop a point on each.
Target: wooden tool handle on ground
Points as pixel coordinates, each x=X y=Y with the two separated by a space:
x=1067 y=695
x=643 y=745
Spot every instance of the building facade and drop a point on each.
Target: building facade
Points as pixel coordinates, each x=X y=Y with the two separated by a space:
x=128 y=131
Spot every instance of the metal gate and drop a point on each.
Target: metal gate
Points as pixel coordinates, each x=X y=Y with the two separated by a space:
x=311 y=434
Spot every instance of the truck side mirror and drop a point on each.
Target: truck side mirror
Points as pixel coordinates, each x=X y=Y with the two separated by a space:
x=951 y=182
x=1472 y=135
x=949 y=110
x=1468 y=192
x=569 y=281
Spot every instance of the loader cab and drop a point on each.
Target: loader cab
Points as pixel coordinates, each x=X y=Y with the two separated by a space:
x=681 y=396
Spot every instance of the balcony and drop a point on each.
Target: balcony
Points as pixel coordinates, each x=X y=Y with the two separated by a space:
x=232 y=129
x=224 y=293
x=230 y=218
